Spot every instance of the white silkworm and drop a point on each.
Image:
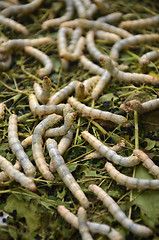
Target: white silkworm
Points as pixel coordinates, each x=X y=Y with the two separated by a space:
x=111 y=18
x=22 y=9
x=126 y=76
x=91 y=45
x=75 y=37
x=140 y=107
x=41 y=110
x=95 y=113
x=77 y=52
x=2 y=109
x=37 y=144
x=97 y=25
x=115 y=148
x=147 y=162
x=130 y=182
x=92 y=67
x=15 y=44
x=26 y=142
x=108 y=153
x=43 y=93
x=3 y=175
x=140 y=23
x=94 y=227
x=82 y=224
x=65 y=174
x=57 y=21
x=61 y=39
x=13 y=25
x=147 y=57
x=17 y=148
x=4 y=4
x=90 y=83
x=62 y=93
x=43 y=58
x=91 y=8
x=118 y=214
x=64 y=143
x=81 y=11
x=80 y=91
x=69 y=119
x=109 y=37
x=18 y=176
x=101 y=84
x=132 y=41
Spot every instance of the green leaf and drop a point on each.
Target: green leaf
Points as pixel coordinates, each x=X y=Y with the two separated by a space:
x=107 y=97
x=24 y=209
x=147 y=201
x=150 y=144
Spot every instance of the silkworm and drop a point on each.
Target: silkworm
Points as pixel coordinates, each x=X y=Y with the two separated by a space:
x=22 y=9
x=90 y=83
x=4 y=4
x=69 y=119
x=95 y=113
x=15 y=44
x=65 y=174
x=3 y=175
x=92 y=67
x=130 y=182
x=13 y=25
x=61 y=39
x=108 y=153
x=57 y=21
x=147 y=57
x=111 y=18
x=116 y=148
x=2 y=109
x=118 y=214
x=94 y=227
x=101 y=84
x=147 y=162
x=18 y=176
x=126 y=76
x=109 y=37
x=140 y=23
x=91 y=46
x=96 y=25
x=17 y=148
x=132 y=41
x=82 y=224
x=64 y=143
x=43 y=93
x=37 y=144
x=90 y=8
x=77 y=52
x=81 y=11
x=80 y=91
x=63 y=93
x=140 y=107
x=41 y=110
x=42 y=57
x=26 y=142
x=75 y=37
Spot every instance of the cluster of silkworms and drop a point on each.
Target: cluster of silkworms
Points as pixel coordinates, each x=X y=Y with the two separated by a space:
x=75 y=37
